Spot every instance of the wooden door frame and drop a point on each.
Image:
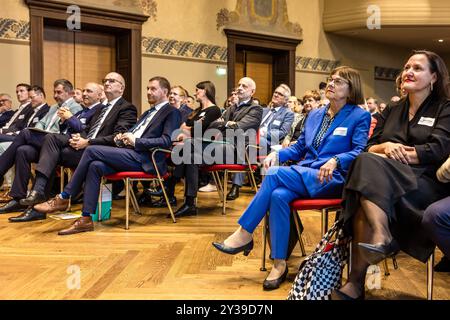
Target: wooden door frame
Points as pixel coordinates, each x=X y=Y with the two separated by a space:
x=255 y=42
x=93 y=19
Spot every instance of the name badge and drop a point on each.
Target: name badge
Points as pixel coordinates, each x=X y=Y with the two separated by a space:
x=35 y=120
x=21 y=116
x=340 y=132
x=202 y=114
x=83 y=120
x=277 y=123
x=429 y=122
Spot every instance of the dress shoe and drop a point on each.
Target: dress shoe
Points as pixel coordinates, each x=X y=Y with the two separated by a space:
x=443 y=265
x=53 y=205
x=28 y=215
x=246 y=248
x=161 y=203
x=84 y=224
x=12 y=206
x=33 y=198
x=234 y=192
x=5 y=197
x=337 y=294
x=185 y=210
x=275 y=284
x=375 y=253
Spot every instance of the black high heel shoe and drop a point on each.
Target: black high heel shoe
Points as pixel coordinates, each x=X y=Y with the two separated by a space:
x=375 y=253
x=275 y=284
x=337 y=294
x=228 y=250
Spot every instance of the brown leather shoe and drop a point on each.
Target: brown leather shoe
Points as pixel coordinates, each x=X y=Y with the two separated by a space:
x=83 y=224
x=53 y=205
x=4 y=197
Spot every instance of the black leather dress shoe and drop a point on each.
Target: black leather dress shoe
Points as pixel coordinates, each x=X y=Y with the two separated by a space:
x=33 y=198
x=234 y=192
x=337 y=294
x=155 y=192
x=12 y=206
x=29 y=215
x=275 y=284
x=375 y=253
x=185 y=211
x=229 y=250
x=161 y=203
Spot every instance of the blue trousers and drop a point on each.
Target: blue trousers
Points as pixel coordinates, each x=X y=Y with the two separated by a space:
x=436 y=221
x=280 y=186
x=96 y=162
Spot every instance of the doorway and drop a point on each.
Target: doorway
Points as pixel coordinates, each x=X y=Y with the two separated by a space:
x=80 y=57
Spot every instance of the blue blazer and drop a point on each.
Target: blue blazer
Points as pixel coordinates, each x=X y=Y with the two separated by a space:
x=345 y=139
x=157 y=134
x=78 y=122
x=280 y=125
x=5 y=117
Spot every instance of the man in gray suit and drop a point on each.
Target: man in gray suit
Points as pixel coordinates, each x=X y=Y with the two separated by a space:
x=275 y=125
x=27 y=145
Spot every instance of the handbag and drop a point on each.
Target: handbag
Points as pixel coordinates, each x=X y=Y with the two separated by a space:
x=321 y=272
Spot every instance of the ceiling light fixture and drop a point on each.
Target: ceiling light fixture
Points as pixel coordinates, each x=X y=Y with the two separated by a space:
x=441 y=40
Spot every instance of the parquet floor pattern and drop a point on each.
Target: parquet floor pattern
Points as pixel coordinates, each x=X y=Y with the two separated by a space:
x=157 y=259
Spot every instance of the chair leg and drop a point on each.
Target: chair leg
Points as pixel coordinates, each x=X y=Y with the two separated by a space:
x=430 y=277
x=127 y=202
x=324 y=224
x=386 y=268
x=225 y=186
x=134 y=201
x=349 y=264
x=299 y=233
x=253 y=181
x=61 y=182
x=264 y=244
x=100 y=200
x=169 y=206
x=218 y=184
x=69 y=177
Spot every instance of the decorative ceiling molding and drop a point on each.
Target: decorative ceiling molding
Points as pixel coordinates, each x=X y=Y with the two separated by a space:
x=315 y=64
x=262 y=16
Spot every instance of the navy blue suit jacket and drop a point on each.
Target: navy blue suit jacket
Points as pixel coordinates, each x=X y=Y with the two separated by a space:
x=157 y=134
x=346 y=138
x=79 y=121
x=5 y=117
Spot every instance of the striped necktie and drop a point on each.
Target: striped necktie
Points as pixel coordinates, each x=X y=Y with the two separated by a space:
x=98 y=122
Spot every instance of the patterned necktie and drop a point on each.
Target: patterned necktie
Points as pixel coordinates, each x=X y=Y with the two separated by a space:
x=143 y=124
x=269 y=118
x=98 y=122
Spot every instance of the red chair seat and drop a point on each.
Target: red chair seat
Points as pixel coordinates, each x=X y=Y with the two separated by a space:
x=315 y=204
x=133 y=175
x=237 y=167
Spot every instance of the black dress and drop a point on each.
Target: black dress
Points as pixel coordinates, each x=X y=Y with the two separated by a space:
x=403 y=191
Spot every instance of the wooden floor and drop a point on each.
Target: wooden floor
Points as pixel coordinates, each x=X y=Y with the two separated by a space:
x=157 y=259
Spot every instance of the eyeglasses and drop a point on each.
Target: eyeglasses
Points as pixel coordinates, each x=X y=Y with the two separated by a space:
x=4 y=100
x=278 y=93
x=337 y=81
x=104 y=81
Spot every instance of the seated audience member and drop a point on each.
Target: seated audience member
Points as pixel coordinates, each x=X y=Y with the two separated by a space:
x=20 y=117
x=26 y=146
x=191 y=103
x=205 y=93
x=436 y=220
x=323 y=99
x=382 y=106
x=6 y=111
x=131 y=153
x=54 y=144
x=78 y=96
x=332 y=138
x=177 y=99
x=245 y=117
x=389 y=186
x=311 y=101
x=372 y=106
x=275 y=125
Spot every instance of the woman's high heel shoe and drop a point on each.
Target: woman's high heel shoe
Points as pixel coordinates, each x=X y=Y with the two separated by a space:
x=375 y=253
x=229 y=250
x=275 y=284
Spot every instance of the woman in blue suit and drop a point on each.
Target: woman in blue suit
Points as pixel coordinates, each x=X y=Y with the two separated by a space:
x=332 y=138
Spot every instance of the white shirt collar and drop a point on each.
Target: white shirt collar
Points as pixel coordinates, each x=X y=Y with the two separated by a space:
x=114 y=101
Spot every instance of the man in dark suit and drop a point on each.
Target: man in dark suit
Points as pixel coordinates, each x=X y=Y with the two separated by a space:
x=26 y=146
x=245 y=116
x=107 y=121
x=154 y=129
x=21 y=116
x=5 y=109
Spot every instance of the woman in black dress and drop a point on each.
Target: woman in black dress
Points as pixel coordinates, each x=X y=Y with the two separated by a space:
x=389 y=186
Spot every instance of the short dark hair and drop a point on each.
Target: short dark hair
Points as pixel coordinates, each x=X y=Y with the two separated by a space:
x=37 y=89
x=163 y=83
x=26 y=85
x=67 y=85
x=322 y=85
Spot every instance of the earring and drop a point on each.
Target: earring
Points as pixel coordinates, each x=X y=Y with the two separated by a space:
x=431 y=84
